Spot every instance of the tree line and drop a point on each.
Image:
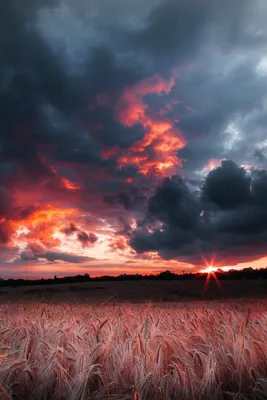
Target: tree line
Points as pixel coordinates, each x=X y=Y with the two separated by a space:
x=246 y=273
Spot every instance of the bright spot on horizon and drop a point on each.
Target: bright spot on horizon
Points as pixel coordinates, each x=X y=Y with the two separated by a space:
x=209 y=270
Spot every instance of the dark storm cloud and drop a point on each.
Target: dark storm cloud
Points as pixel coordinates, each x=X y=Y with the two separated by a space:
x=42 y=105
x=227 y=217
x=31 y=74
x=220 y=101
x=177 y=30
x=130 y=198
x=260 y=157
x=216 y=47
x=114 y=134
x=30 y=77
x=5 y=202
x=228 y=186
x=50 y=119
x=45 y=116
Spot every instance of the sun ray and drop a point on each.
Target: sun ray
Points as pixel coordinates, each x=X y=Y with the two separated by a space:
x=210 y=270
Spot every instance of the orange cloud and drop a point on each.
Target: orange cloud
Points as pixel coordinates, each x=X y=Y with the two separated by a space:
x=70 y=185
x=119 y=243
x=156 y=153
x=160 y=135
x=40 y=225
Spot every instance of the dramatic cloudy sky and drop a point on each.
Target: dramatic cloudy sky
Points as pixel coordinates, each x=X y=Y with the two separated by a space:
x=132 y=136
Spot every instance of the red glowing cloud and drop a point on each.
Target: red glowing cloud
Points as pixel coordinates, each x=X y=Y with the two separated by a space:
x=160 y=135
x=70 y=185
x=156 y=152
x=41 y=225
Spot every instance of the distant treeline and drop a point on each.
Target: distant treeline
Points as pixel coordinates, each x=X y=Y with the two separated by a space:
x=247 y=273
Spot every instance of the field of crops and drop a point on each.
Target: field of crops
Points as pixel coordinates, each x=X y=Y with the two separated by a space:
x=196 y=350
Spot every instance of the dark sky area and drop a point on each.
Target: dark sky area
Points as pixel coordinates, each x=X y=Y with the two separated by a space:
x=132 y=136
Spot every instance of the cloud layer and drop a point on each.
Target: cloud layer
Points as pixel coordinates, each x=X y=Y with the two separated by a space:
x=99 y=114
x=225 y=218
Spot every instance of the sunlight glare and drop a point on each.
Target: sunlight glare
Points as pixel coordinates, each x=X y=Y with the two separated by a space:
x=209 y=270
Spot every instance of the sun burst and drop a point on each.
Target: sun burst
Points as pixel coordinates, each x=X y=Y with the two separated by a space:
x=209 y=270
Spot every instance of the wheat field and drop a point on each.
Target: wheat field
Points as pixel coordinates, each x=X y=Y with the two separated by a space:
x=196 y=350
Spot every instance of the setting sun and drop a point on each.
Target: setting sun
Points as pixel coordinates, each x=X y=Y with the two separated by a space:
x=209 y=270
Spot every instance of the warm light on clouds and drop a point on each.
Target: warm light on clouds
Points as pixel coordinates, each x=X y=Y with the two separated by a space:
x=70 y=185
x=135 y=144
x=156 y=153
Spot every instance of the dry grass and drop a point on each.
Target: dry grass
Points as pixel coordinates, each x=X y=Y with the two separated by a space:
x=146 y=351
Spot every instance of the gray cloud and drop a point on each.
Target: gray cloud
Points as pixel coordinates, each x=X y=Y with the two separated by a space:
x=227 y=217
x=29 y=255
x=179 y=31
x=172 y=33
x=221 y=126
x=51 y=73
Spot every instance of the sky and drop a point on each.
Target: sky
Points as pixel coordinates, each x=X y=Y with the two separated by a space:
x=132 y=136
